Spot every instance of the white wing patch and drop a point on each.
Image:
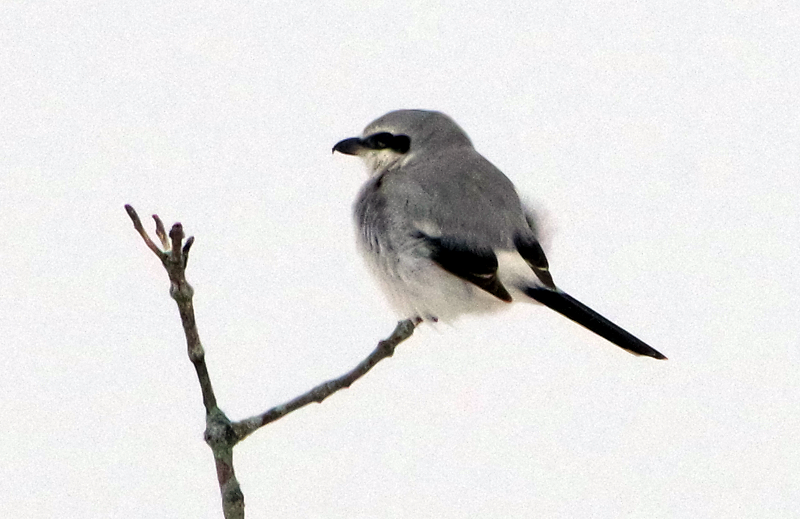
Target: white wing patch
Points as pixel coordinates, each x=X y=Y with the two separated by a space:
x=428 y=228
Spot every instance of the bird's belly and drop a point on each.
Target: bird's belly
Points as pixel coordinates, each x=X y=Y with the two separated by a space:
x=417 y=287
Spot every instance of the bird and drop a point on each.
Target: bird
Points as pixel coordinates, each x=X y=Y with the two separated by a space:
x=445 y=233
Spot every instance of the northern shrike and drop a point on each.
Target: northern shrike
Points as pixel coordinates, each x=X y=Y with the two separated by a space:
x=444 y=230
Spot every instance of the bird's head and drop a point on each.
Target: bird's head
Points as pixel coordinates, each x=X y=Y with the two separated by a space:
x=402 y=136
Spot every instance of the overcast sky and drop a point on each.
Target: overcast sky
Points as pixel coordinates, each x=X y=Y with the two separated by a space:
x=659 y=142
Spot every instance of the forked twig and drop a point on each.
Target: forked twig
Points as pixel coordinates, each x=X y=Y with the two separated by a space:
x=221 y=434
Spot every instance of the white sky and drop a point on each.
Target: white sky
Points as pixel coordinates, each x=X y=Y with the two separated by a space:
x=661 y=144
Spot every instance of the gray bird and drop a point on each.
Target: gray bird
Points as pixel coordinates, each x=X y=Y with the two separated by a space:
x=444 y=230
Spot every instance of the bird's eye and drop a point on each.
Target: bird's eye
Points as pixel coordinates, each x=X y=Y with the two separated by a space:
x=384 y=140
x=379 y=141
x=401 y=143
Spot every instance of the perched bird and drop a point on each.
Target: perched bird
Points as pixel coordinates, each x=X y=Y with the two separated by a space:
x=444 y=230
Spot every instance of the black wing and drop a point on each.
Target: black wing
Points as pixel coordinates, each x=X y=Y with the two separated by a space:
x=477 y=266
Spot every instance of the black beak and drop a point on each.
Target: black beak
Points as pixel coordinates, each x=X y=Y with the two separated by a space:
x=351 y=146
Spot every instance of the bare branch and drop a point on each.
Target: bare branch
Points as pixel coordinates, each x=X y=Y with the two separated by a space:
x=137 y=224
x=160 y=232
x=186 y=247
x=221 y=434
x=385 y=349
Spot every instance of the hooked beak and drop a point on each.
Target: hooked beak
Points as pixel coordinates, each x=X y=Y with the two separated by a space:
x=351 y=146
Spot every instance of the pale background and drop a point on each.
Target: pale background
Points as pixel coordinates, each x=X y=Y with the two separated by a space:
x=660 y=141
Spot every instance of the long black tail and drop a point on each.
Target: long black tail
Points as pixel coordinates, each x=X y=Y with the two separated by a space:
x=580 y=313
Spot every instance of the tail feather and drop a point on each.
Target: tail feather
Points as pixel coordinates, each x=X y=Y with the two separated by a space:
x=573 y=309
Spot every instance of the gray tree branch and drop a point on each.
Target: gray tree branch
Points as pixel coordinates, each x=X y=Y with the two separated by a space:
x=221 y=434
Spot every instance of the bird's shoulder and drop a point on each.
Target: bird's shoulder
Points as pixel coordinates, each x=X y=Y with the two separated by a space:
x=454 y=174
x=456 y=192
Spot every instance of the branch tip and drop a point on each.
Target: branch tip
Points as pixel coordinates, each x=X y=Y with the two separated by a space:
x=186 y=247
x=176 y=235
x=131 y=212
x=137 y=224
x=176 y=231
x=160 y=232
